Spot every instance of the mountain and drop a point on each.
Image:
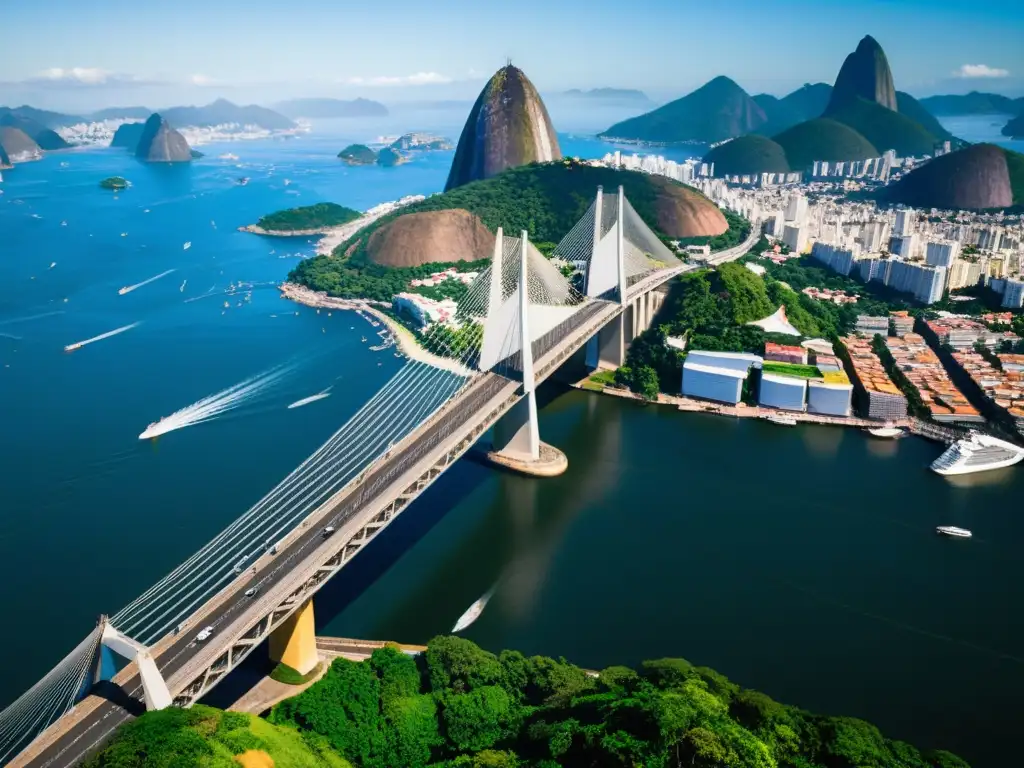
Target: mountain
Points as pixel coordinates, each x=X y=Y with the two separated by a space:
x=973 y=103
x=865 y=75
x=121 y=113
x=1015 y=128
x=717 y=110
x=43 y=136
x=358 y=154
x=507 y=126
x=42 y=117
x=609 y=95
x=418 y=238
x=128 y=135
x=222 y=111
x=884 y=128
x=18 y=145
x=977 y=177
x=5 y=161
x=823 y=139
x=748 y=154
x=912 y=108
x=328 y=108
x=802 y=104
x=159 y=143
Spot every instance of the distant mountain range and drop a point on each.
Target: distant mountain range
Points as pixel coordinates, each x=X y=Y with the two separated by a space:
x=973 y=103
x=862 y=116
x=330 y=108
x=608 y=96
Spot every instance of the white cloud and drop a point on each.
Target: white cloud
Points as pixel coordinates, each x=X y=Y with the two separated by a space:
x=980 y=70
x=76 y=75
x=201 y=80
x=419 y=78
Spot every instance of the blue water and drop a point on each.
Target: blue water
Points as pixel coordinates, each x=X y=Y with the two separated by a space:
x=982 y=128
x=89 y=515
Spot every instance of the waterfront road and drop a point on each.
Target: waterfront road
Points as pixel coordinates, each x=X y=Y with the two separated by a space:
x=94 y=721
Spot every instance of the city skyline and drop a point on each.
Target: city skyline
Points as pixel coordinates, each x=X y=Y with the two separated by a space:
x=72 y=56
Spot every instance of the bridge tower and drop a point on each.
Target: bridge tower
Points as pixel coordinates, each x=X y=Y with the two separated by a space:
x=516 y=442
x=294 y=642
x=154 y=687
x=606 y=271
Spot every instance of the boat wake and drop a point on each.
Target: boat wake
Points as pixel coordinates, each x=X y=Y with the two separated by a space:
x=130 y=288
x=101 y=337
x=212 y=406
x=474 y=611
x=311 y=398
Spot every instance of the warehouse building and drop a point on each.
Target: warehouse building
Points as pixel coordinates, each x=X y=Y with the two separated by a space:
x=712 y=382
x=829 y=398
x=786 y=392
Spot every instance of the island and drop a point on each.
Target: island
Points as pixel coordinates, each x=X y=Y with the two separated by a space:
x=160 y=143
x=389 y=157
x=454 y=705
x=358 y=154
x=128 y=135
x=115 y=183
x=306 y=220
x=1015 y=128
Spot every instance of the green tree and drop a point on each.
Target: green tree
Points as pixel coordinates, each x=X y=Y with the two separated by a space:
x=478 y=719
x=456 y=664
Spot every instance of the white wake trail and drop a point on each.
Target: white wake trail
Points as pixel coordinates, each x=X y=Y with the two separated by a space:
x=130 y=288
x=311 y=399
x=212 y=406
x=101 y=337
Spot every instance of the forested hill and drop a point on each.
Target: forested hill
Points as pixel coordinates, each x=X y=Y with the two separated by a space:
x=458 y=706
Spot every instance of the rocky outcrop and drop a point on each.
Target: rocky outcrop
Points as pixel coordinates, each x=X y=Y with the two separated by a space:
x=865 y=74
x=718 y=110
x=433 y=236
x=5 y=161
x=749 y=154
x=45 y=137
x=19 y=146
x=128 y=136
x=160 y=143
x=508 y=126
x=683 y=212
x=1015 y=128
x=973 y=178
x=389 y=157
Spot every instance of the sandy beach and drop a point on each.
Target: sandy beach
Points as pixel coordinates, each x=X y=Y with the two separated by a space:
x=404 y=338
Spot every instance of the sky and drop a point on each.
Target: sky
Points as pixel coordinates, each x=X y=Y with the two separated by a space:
x=87 y=54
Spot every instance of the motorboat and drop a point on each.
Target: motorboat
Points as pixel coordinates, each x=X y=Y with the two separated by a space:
x=952 y=530
x=778 y=418
x=888 y=432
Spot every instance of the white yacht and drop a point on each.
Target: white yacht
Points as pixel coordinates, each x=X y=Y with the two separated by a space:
x=778 y=418
x=952 y=530
x=887 y=432
x=977 y=453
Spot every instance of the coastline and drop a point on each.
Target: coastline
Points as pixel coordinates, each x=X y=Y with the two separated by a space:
x=404 y=338
x=257 y=230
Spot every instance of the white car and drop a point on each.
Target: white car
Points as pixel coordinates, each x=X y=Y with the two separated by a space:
x=327 y=531
x=204 y=635
x=251 y=592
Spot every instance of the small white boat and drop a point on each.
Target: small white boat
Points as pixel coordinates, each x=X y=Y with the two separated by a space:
x=887 y=432
x=124 y=234
x=182 y=288
x=53 y=264
x=473 y=613
x=785 y=421
x=952 y=530
x=187 y=246
x=63 y=223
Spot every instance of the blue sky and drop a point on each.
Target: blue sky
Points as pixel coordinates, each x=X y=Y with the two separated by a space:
x=85 y=54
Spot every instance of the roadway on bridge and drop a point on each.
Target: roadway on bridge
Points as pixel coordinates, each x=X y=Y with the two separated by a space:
x=91 y=731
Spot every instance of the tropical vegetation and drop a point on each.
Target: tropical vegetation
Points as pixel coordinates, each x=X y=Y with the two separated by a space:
x=358 y=154
x=459 y=706
x=116 y=183
x=317 y=216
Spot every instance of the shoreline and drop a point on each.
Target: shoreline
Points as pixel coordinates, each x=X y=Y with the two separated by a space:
x=405 y=341
x=257 y=230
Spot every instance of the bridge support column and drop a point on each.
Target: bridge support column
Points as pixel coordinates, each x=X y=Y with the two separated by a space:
x=294 y=642
x=154 y=687
x=517 y=444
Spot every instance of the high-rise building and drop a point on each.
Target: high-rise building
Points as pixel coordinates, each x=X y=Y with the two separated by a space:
x=1013 y=296
x=904 y=222
x=906 y=246
x=796 y=209
x=964 y=274
x=795 y=237
x=925 y=282
x=942 y=253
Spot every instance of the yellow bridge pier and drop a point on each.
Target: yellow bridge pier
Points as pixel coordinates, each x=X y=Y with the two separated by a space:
x=294 y=642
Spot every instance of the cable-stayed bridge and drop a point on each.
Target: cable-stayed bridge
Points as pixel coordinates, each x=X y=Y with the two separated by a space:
x=256 y=579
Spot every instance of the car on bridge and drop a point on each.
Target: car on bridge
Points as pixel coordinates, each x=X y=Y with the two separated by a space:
x=327 y=531
x=251 y=592
x=205 y=635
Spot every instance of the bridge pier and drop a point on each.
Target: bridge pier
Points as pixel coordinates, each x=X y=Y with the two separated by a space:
x=294 y=642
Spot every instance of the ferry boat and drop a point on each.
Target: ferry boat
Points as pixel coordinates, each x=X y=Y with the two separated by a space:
x=952 y=530
x=123 y=291
x=473 y=613
x=778 y=418
x=977 y=452
x=187 y=246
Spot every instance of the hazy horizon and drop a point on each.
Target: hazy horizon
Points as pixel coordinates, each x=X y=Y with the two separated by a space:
x=80 y=57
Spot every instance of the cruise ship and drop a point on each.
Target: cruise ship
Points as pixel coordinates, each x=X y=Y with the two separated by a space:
x=977 y=453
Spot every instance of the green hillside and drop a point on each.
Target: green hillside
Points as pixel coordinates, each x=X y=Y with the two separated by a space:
x=1015 y=165
x=718 y=110
x=884 y=128
x=316 y=216
x=1014 y=128
x=910 y=107
x=203 y=737
x=802 y=104
x=973 y=103
x=750 y=154
x=823 y=139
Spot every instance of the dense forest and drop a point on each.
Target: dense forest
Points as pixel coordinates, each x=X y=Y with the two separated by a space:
x=458 y=706
x=315 y=216
x=544 y=199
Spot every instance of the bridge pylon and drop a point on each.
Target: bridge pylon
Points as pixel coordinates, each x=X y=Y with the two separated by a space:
x=154 y=687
